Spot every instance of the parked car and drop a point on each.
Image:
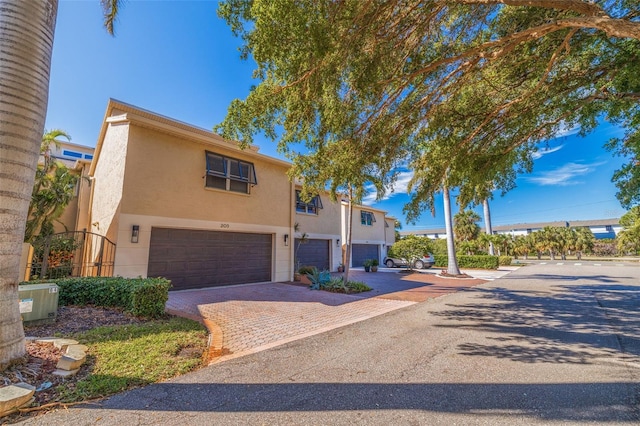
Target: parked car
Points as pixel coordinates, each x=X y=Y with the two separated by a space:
x=426 y=262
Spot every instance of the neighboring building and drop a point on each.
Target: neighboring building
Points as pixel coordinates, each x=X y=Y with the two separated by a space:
x=76 y=158
x=369 y=233
x=601 y=228
x=181 y=202
x=70 y=153
x=318 y=221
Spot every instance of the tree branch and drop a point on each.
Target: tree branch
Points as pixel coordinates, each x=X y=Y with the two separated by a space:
x=582 y=7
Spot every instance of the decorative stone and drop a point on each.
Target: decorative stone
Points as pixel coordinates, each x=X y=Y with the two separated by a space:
x=75 y=348
x=57 y=342
x=63 y=343
x=65 y=373
x=71 y=360
x=15 y=396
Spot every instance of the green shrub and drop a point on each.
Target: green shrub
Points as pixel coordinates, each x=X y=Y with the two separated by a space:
x=475 y=261
x=144 y=297
x=305 y=270
x=439 y=246
x=337 y=285
x=441 y=260
x=505 y=260
x=357 y=287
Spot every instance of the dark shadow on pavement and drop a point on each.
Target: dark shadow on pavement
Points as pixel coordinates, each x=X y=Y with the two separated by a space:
x=584 y=402
x=565 y=325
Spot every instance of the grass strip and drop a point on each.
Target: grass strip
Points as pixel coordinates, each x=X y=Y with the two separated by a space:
x=124 y=357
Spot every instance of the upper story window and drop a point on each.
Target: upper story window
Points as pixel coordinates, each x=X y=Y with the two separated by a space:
x=609 y=228
x=311 y=207
x=367 y=218
x=229 y=174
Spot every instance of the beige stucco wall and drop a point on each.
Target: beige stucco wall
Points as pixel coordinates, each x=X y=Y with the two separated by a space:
x=363 y=233
x=326 y=222
x=84 y=198
x=67 y=220
x=74 y=217
x=165 y=177
x=390 y=231
x=108 y=181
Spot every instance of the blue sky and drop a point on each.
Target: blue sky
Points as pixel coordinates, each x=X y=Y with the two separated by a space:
x=178 y=59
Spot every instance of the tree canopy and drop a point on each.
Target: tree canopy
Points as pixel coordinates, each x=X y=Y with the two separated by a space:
x=469 y=88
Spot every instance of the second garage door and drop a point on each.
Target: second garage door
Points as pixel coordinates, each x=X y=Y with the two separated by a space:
x=200 y=258
x=362 y=252
x=313 y=253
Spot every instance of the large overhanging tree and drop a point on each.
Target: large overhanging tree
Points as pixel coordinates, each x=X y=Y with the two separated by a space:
x=26 y=42
x=469 y=87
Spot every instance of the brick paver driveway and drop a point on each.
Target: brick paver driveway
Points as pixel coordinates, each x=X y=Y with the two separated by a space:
x=250 y=318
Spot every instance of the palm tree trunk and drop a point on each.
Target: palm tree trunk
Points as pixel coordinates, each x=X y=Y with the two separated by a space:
x=452 y=261
x=487 y=223
x=26 y=42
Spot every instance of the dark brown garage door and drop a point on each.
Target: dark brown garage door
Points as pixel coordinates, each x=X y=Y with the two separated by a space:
x=313 y=253
x=362 y=252
x=198 y=258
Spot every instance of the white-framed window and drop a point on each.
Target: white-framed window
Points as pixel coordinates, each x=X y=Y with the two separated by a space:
x=229 y=174
x=311 y=207
x=367 y=218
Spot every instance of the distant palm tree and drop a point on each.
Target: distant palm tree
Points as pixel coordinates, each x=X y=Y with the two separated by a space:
x=584 y=241
x=27 y=30
x=465 y=225
x=52 y=191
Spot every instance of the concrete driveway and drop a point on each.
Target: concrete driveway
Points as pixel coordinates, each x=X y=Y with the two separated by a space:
x=249 y=318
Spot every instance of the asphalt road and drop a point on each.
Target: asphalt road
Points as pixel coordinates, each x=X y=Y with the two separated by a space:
x=546 y=344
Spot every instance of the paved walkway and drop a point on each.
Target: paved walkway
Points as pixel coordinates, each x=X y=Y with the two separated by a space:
x=250 y=318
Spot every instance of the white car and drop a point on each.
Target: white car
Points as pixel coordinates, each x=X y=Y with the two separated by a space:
x=426 y=262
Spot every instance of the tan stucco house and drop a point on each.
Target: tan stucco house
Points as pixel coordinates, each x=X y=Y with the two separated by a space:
x=372 y=234
x=183 y=203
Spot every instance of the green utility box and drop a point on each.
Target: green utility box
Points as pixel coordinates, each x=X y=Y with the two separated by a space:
x=38 y=302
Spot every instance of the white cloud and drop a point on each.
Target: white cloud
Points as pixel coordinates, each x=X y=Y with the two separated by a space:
x=564 y=130
x=542 y=152
x=563 y=176
x=399 y=187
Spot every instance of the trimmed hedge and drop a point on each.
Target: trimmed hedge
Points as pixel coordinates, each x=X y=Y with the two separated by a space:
x=143 y=297
x=505 y=260
x=465 y=261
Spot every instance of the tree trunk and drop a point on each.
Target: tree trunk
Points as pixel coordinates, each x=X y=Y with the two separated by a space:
x=452 y=261
x=26 y=42
x=487 y=223
x=347 y=262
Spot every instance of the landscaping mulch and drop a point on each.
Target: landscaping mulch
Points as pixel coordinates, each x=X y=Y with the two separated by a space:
x=41 y=359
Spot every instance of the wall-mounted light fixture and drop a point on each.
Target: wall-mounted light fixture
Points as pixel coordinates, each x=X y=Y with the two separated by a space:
x=286 y=239
x=135 y=233
x=338 y=242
